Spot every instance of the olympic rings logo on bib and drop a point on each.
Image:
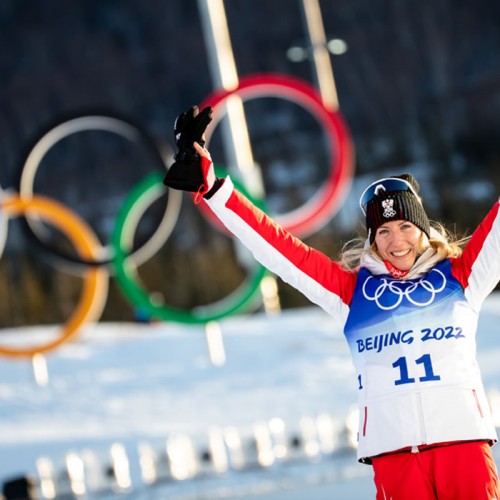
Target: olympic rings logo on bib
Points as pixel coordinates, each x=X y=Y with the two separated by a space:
x=121 y=256
x=389 y=294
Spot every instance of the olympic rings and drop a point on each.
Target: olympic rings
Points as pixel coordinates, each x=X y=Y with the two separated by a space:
x=321 y=207
x=95 y=286
x=411 y=291
x=123 y=255
x=125 y=272
x=124 y=130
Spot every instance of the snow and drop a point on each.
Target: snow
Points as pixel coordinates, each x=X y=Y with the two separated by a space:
x=154 y=386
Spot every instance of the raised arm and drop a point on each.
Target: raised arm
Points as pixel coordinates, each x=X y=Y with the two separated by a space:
x=311 y=272
x=478 y=269
x=320 y=279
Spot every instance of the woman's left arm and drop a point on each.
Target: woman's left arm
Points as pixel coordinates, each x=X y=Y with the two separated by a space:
x=478 y=268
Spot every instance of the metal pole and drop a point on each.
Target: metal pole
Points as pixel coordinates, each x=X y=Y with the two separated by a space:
x=322 y=65
x=235 y=132
x=224 y=75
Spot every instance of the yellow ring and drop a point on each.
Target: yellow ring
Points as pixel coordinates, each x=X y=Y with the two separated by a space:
x=95 y=286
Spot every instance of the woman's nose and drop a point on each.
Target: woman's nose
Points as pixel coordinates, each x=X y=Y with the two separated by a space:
x=396 y=237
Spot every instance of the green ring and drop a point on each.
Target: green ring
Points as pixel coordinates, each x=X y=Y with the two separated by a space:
x=126 y=271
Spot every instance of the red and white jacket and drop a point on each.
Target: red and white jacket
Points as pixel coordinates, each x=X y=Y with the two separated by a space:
x=412 y=341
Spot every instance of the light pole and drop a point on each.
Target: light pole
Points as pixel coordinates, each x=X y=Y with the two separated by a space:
x=236 y=137
x=318 y=52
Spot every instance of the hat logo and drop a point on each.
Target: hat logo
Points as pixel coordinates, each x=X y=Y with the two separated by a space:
x=389 y=211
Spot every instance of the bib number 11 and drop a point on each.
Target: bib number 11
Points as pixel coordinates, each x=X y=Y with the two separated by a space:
x=404 y=377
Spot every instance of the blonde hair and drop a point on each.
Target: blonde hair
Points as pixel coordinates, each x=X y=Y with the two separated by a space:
x=444 y=244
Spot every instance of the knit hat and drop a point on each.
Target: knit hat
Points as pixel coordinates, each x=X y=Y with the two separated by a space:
x=391 y=199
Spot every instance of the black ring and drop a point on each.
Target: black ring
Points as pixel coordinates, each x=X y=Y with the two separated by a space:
x=51 y=136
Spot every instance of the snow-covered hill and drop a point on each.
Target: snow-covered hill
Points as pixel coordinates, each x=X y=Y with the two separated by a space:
x=283 y=388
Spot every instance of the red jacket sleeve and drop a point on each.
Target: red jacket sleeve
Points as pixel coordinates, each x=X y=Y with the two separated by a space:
x=478 y=268
x=319 y=278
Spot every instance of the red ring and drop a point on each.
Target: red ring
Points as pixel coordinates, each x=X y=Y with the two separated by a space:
x=315 y=213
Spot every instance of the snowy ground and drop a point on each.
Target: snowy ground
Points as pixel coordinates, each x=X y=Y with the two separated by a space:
x=286 y=389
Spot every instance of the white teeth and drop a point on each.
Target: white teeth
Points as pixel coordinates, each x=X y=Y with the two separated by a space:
x=401 y=254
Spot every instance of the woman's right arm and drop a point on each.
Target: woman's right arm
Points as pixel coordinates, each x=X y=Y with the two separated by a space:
x=320 y=279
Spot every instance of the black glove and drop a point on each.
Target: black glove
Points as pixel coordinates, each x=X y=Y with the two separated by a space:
x=185 y=173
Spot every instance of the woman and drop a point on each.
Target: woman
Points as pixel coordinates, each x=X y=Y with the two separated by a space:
x=409 y=302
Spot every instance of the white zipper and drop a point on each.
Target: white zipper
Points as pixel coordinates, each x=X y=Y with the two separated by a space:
x=421 y=422
x=478 y=404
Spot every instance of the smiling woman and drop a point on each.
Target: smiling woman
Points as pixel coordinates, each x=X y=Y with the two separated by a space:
x=397 y=223
x=398 y=243
x=399 y=231
x=408 y=302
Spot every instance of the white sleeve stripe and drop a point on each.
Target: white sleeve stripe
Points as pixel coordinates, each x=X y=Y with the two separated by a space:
x=271 y=258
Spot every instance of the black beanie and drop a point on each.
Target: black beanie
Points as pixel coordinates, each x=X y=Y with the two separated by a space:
x=396 y=205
